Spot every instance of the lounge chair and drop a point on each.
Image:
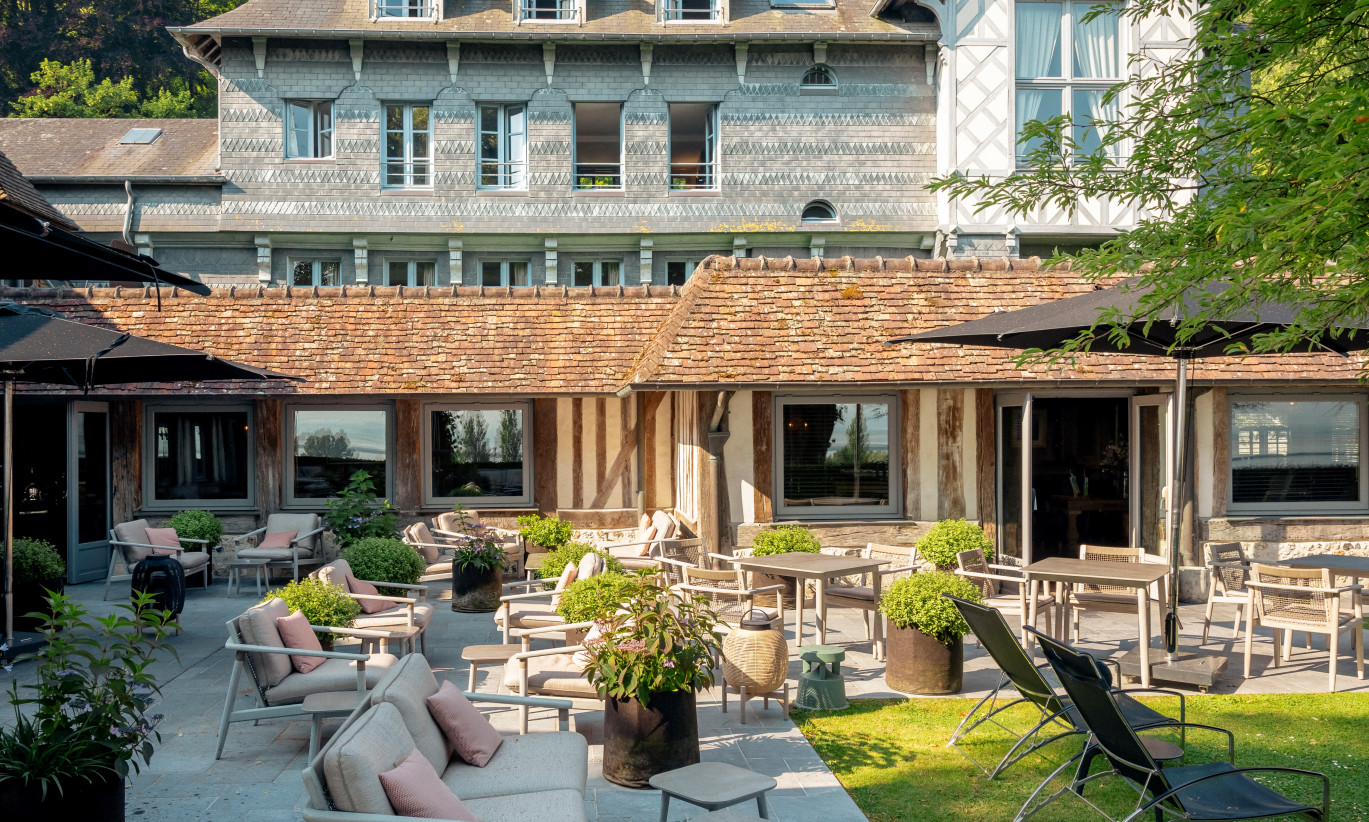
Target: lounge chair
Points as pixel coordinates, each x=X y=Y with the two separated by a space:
x=412 y=611
x=128 y=543
x=448 y=528
x=902 y=562
x=306 y=547
x=1304 y=599
x=646 y=544
x=991 y=578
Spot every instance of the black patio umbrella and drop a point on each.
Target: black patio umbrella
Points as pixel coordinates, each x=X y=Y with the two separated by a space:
x=40 y=346
x=1050 y=325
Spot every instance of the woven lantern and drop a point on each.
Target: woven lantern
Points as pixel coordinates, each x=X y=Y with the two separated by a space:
x=755 y=658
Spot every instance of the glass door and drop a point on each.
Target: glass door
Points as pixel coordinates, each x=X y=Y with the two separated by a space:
x=1150 y=472
x=1014 y=477
x=88 y=478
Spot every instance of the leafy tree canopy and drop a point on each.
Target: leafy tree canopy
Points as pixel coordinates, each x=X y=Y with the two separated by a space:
x=1250 y=148
x=71 y=91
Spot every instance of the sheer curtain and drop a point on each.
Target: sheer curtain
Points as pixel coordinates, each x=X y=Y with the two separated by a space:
x=1038 y=39
x=1096 y=52
x=1101 y=114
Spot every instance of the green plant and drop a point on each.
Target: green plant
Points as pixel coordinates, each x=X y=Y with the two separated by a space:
x=597 y=597
x=570 y=554
x=358 y=513
x=322 y=603
x=785 y=539
x=549 y=532
x=916 y=601
x=91 y=697
x=198 y=525
x=385 y=560
x=948 y=538
x=36 y=560
x=656 y=641
x=480 y=548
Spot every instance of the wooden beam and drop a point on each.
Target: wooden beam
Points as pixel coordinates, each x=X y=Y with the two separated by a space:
x=577 y=444
x=544 y=455
x=270 y=459
x=408 y=477
x=600 y=441
x=987 y=469
x=762 y=464
x=126 y=457
x=620 y=463
x=910 y=418
x=1221 y=451
x=651 y=403
x=627 y=423
x=950 y=425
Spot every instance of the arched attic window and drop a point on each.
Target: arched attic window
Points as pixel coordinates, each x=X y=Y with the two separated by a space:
x=819 y=211
x=819 y=79
x=907 y=11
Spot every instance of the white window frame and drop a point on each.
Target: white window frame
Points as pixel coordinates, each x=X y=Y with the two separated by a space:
x=833 y=220
x=150 y=500
x=571 y=12
x=316 y=129
x=431 y=500
x=288 y=449
x=803 y=4
x=597 y=272
x=1067 y=83
x=511 y=174
x=316 y=266
x=409 y=161
x=711 y=165
x=819 y=88
x=669 y=13
x=575 y=159
x=423 y=10
x=1299 y=508
x=411 y=270
x=506 y=272
x=894 y=510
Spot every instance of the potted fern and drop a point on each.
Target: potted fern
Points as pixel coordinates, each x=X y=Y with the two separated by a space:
x=925 y=646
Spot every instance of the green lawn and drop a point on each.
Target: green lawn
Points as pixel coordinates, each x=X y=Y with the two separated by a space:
x=892 y=756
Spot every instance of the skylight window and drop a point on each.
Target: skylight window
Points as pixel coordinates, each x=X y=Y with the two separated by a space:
x=140 y=137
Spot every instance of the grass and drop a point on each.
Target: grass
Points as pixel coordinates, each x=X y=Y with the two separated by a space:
x=892 y=757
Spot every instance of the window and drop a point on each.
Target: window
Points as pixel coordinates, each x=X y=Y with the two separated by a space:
x=598 y=146
x=598 y=272
x=803 y=4
x=308 y=129
x=550 y=11
x=410 y=272
x=199 y=456
x=835 y=456
x=315 y=272
x=1065 y=66
x=677 y=272
x=1293 y=454
x=693 y=147
x=499 y=273
x=503 y=146
x=413 y=9
x=819 y=211
x=819 y=79
x=476 y=454
x=691 y=11
x=329 y=445
x=408 y=146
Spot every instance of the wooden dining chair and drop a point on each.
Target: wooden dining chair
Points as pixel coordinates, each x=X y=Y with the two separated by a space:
x=1304 y=599
x=1107 y=598
x=1230 y=572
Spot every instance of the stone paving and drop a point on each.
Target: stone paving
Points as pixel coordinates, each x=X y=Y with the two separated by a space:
x=259 y=777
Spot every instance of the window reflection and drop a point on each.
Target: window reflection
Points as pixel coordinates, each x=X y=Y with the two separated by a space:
x=835 y=454
x=331 y=445
x=478 y=452
x=200 y=455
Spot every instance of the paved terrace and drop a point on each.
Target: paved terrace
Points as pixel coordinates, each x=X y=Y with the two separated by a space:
x=258 y=780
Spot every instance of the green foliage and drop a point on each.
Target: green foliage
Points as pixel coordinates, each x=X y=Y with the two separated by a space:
x=380 y=559
x=916 y=601
x=198 y=525
x=358 y=513
x=1259 y=185
x=323 y=604
x=89 y=708
x=36 y=560
x=70 y=90
x=656 y=641
x=480 y=548
x=948 y=538
x=549 y=532
x=785 y=539
x=597 y=597
x=570 y=554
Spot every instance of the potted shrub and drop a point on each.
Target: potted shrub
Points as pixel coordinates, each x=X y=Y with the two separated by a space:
x=476 y=565
x=87 y=716
x=38 y=571
x=323 y=604
x=785 y=539
x=925 y=649
x=358 y=512
x=570 y=554
x=948 y=538
x=653 y=654
x=385 y=559
x=543 y=534
x=596 y=598
x=196 y=524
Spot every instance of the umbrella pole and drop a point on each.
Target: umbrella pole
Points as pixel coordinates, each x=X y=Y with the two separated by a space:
x=1171 y=626
x=9 y=513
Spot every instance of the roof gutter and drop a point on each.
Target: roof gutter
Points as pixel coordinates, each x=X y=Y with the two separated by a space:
x=184 y=32
x=110 y=179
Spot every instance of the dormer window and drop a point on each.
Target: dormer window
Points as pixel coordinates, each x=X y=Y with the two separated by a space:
x=405 y=9
x=550 y=11
x=819 y=79
x=691 y=11
x=819 y=211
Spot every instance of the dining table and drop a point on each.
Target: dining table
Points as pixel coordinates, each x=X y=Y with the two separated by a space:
x=1067 y=571
x=818 y=567
x=1342 y=565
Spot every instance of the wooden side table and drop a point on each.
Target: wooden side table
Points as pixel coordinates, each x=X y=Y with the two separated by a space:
x=712 y=785
x=478 y=655
x=332 y=703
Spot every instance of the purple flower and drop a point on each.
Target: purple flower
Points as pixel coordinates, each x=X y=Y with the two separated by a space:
x=669 y=663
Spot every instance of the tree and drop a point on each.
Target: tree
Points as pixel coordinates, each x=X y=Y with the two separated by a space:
x=1251 y=147
x=471 y=437
x=326 y=443
x=71 y=91
x=510 y=436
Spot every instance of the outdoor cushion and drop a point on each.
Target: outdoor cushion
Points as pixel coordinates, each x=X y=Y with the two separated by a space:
x=270 y=553
x=354 y=761
x=441 y=567
x=399 y=614
x=411 y=682
x=568 y=575
x=165 y=537
x=369 y=606
x=665 y=525
x=418 y=536
x=191 y=560
x=467 y=730
x=545 y=761
x=553 y=675
x=296 y=633
x=639 y=563
x=863 y=593
x=135 y=531
x=644 y=529
x=258 y=627
x=531 y=807
x=590 y=565
x=299 y=523
x=533 y=614
x=334 y=573
x=280 y=540
x=414 y=789
x=332 y=675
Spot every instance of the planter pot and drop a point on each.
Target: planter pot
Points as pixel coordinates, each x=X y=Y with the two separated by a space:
x=475 y=591
x=31 y=596
x=919 y=664
x=98 y=801
x=642 y=742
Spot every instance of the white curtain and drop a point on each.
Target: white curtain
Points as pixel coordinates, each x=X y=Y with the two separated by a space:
x=1096 y=52
x=1029 y=101
x=1038 y=37
x=1100 y=112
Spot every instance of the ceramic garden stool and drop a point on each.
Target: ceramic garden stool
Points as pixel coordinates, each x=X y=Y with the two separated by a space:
x=821 y=687
x=714 y=785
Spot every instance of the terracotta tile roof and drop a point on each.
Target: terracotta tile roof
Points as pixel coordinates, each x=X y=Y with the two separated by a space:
x=607 y=19
x=756 y=321
x=44 y=147
x=394 y=341
x=19 y=193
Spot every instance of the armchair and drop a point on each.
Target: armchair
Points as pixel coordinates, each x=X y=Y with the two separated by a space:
x=646 y=545
x=1304 y=599
x=436 y=551
x=557 y=672
x=902 y=561
x=1230 y=572
x=129 y=544
x=407 y=612
x=1108 y=598
x=306 y=547
x=990 y=578
x=447 y=527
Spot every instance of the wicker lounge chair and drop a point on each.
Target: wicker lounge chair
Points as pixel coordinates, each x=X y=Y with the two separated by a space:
x=1304 y=599
x=991 y=579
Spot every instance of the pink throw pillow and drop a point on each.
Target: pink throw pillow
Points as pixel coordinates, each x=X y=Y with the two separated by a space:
x=296 y=633
x=163 y=536
x=415 y=789
x=368 y=606
x=563 y=582
x=468 y=731
x=280 y=540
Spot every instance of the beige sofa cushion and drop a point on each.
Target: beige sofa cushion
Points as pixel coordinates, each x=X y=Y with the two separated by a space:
x=536 y=613
x=135 y=531
x=272 y=553
x=398 y=615
x=352 y=764
x=192 y=560
x=421 y=539
x=258 y=627
x=554 y=760
x=666 y=525
x=410 y=683
x=530 y=807
x=332 y=675
x=301 y=524
x=553 y=675
x=334 y=573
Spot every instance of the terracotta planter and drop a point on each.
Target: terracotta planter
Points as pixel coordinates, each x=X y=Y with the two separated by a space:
x=919 y=664
x=642 y=742
x=99 y=801
x=475 y=591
